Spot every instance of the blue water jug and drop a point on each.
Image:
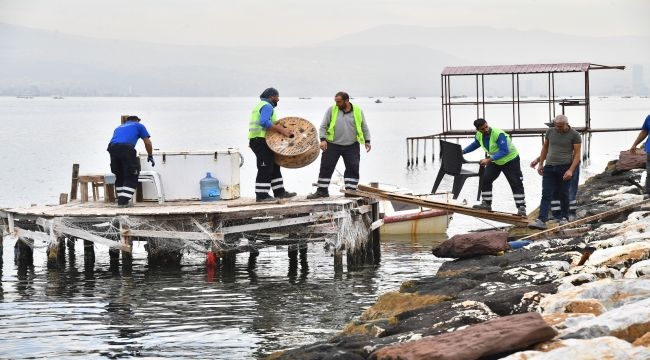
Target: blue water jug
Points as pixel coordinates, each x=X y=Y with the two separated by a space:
x=210 y=188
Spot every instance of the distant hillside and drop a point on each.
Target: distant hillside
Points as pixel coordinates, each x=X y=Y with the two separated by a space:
x=388 y=60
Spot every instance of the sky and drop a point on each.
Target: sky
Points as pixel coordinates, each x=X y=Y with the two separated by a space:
x=304 y=22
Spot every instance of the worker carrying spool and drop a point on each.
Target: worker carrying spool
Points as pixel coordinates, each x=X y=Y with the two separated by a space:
x=269 y=176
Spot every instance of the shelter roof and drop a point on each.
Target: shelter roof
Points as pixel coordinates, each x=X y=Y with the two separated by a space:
x=524 y=69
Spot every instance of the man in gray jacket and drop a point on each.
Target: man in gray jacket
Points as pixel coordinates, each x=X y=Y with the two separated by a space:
x=342 y=132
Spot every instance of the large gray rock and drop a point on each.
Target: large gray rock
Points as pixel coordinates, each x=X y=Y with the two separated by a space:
x=497 y=336
x=609 y=348
x=473 y=244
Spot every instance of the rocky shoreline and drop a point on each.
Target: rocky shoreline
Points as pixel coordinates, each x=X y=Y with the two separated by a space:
x=575 y=295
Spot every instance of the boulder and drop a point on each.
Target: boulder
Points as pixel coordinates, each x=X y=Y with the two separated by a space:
x=473 y=244
x=600 y=348
x=502 y=335
x=629 y=161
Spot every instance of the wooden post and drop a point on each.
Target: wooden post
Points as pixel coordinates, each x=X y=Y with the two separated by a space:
x=24 y=253
x=159 y=256
x=70 y=242
x=293 y=259
x=63 y=198
x=127 y=256
x=56 y=253
x=89 y=255
x=338 y=261
x=304 y=266
x=375 y=235
x=75 y=182
x=114 y=255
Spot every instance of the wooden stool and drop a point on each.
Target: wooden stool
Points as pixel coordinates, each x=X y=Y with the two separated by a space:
x=96 y=182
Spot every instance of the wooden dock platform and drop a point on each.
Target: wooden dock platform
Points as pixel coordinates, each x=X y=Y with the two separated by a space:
x=224 y=228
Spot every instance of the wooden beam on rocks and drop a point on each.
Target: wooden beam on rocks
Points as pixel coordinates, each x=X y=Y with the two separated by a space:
x=585 y=220
x=370 y=192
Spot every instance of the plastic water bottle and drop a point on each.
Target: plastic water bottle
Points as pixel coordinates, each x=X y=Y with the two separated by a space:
x=210 y=188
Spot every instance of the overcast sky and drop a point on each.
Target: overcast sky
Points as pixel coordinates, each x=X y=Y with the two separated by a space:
x=303 y=22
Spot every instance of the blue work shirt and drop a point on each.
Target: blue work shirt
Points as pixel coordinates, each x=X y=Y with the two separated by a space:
x=265 y=114
x=502 y=143
x=129 y=133
x=646 y=127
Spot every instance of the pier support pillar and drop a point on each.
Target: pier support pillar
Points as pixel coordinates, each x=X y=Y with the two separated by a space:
x=70 y=242
x=304 y=266
x=56 y=253
x=24 y=252
x=338 y=261
x=292 y=252
x=375 y=238
x=89 y=255
x=158 y=255
x=114 y=256
x=127 y=240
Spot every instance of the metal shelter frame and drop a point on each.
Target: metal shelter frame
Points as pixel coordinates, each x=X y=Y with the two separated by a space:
x=514 y=71
x=516 y=101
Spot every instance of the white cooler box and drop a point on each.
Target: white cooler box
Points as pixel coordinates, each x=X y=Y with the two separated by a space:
x=181 y=171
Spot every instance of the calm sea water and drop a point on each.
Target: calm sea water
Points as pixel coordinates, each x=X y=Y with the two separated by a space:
x=71 y=313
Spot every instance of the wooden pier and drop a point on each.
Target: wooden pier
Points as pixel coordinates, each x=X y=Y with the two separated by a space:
x=219 y=229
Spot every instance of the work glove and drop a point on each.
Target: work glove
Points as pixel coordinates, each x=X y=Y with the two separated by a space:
x=150 y=159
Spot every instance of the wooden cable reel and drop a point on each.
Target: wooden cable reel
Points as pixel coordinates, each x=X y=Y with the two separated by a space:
x=297 y=151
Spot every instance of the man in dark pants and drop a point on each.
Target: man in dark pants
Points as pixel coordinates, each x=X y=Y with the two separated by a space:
x=562 y=146
x=503 y=156
x=342 y=132
x=124 y=159
x=263 y=119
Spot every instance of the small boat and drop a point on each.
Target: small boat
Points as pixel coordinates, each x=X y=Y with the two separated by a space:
x=401 y=218
x=415 y=221
x=378 y=101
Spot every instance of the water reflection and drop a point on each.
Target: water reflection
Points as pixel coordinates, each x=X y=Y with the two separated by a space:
x=249 y=307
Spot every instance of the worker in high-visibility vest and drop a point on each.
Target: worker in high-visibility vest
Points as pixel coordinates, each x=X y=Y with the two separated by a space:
x=269 y=176
x=342 y=132
x=503 y=157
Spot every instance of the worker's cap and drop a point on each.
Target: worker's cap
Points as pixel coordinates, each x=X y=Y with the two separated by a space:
x=269 y=92
x=132 y=118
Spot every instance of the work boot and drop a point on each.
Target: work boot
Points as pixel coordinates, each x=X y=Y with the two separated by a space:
x=563 y=221
x=484 y=205
x=521 y=211
x=318 y=194
x=285 y=195
x=265 y=198
x=537 y=224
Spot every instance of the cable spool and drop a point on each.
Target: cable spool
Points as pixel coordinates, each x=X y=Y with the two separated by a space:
x=297 y=151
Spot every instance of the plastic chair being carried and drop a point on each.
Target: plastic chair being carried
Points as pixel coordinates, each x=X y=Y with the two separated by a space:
x=452 y=164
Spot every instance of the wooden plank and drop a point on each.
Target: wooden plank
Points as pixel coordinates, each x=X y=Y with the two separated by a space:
x=585 y=220
x=507 y=218
x=75 y=182
x=284 y=222
x=56 y=226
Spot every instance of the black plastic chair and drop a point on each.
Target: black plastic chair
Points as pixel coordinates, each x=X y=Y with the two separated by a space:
x=452 y=164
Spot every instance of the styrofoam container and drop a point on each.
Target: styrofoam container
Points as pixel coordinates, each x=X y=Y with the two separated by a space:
x=181 y=173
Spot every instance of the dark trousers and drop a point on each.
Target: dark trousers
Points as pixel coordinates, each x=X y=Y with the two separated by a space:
x=647 y=174
x=551 y=182
x=573 y=193
x=351 y=155
x=126 y=167
x=512 y=171
x=269 y=175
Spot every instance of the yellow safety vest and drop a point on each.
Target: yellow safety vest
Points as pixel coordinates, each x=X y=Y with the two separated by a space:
x=254 y=128
x=356 y=112
x=494 y=148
